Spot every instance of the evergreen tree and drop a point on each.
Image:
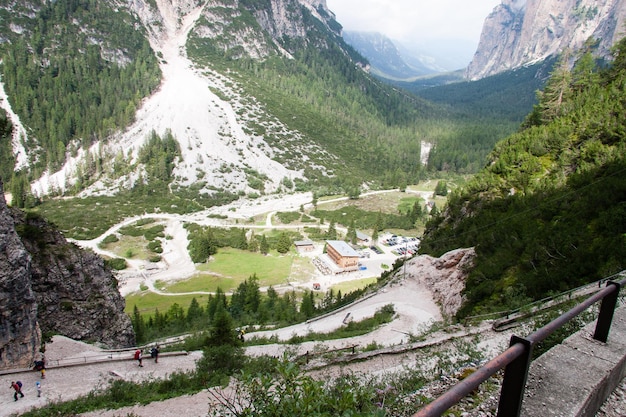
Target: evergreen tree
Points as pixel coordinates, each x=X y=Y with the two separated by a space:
x=307 y=307
x=378 y=226
x=176 y=316
x=555 y=95
x=284 y=243
x=222 y=329
x=160 y=320
x=138 y=325
x=331 y=234
x=215 y=302
x=202 y=245
x=441 y=188
x=253 y=245
x=241 y=241
x=264 y=246
x=194 y=312
x=351 y=234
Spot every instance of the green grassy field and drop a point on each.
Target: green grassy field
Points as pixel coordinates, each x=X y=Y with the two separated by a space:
x=147 y=301
x=226 y=270
x=199 y=282
x=240 y=265
x=349 y=286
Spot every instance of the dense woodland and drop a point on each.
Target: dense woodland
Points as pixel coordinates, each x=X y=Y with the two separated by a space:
x=548 y=212
x=77 y=75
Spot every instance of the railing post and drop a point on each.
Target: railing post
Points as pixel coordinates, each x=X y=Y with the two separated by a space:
x=514 y=383
x=605 y=317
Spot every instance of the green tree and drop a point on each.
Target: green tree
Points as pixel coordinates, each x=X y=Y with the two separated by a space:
x=202 y=245
x=307 y=307
x=441 y=188
x=138 y=325
x=351 y=233
x=331 y=233
x=176 y=316
x=194 y=312
x=222 y=330
x=216 y=302
x=264 y=246
x=284 y=243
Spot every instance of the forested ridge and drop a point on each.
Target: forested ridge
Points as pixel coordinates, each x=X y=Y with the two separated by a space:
x=548 y=212
x=76 y=73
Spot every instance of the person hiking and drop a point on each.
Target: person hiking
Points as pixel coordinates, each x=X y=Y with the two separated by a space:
x=17 y=386
x=138 y=357
x=41 y=367
x=154 y=352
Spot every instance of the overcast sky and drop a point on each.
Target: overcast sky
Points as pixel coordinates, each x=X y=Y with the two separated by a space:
x=416 y=21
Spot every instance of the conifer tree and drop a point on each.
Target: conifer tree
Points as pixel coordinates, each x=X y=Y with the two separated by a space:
x=138 y=325
x=331 y=234
x=307 y=307
x=284 y=243
x=264 y=246
x=351 y=234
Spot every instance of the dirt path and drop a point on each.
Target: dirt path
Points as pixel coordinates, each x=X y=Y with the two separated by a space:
x=413 y=305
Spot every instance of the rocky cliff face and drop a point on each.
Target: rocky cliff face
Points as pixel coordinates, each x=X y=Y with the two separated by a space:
x=519 y=32
x=444 y=276
x=279 y=26
x=50 y=286
x=20 y=337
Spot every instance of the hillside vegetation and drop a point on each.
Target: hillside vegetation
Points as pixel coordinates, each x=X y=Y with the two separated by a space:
x=548 y=212
x=486 y=111
x=75 y=90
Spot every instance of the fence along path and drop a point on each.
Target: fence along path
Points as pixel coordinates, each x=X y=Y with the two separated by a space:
x=517 y=358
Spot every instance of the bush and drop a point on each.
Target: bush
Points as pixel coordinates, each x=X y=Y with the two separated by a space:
x=110 y=239
x=117 y=264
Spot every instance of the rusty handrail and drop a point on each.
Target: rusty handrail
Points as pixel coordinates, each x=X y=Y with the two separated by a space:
x=516 y=359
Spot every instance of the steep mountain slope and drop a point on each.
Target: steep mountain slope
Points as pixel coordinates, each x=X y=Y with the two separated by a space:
x=519 y=32
x=245 y=93
x=548 y=211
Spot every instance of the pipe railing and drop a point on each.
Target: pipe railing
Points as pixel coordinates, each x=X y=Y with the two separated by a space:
x=516 y=359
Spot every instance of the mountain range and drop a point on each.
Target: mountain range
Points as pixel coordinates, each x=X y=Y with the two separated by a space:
x=393 y=60
x=249 y=93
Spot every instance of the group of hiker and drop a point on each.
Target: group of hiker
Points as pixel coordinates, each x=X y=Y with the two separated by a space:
x=40 y=366
x=154 y=354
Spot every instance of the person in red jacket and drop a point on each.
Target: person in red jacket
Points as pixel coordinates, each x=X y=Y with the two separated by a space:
x=138 y=357
x=17 y=386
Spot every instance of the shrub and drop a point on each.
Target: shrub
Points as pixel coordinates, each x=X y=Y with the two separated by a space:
x=117 y=264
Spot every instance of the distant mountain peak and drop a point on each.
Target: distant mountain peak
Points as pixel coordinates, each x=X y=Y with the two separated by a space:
x=390 y=59
x=520 y=32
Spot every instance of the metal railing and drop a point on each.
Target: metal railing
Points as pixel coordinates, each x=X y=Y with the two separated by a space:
x=516 y=359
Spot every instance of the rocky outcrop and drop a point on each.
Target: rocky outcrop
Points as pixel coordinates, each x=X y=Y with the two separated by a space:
x=77 y=296
x=20 y=337
x=520 y=32
x=444 y=276
x=279 y=26
x=50 y=286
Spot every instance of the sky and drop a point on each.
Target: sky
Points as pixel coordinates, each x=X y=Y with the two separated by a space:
x=416 y=22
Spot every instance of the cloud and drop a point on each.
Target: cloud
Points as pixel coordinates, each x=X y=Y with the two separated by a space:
x=415 y=21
